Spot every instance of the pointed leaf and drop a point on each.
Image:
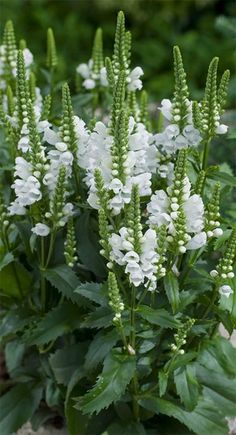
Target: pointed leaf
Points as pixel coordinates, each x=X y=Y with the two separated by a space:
x=187 y=386
x=116 y=375
x=17 y=406
x=64 y=362
x=171 y=285
x=99 y=347
x=159 y=317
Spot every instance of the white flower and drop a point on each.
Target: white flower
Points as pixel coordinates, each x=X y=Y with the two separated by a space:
x=84 y=69
x=28 y=57
x=222 y=129
x=225 y=290
x=133 y=79
x=41 y=230
x=89 y=84
x=194 y=212
x=197 y=241
x=158 y=208
x=166 y=109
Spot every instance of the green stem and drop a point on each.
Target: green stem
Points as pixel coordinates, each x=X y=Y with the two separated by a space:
x=211 y=304
x=50 y=250
x=43 y=283
x=206 y=153
x=134 y=382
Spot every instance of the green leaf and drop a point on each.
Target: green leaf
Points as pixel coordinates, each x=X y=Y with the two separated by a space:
x=163 y=381
x=187 y=386
x=203 y=420
x=59 y=321
x=116 y=375
x=14 y=352
x=100 y=318
x=125 y=429
x=222 y=385
x=171 y=286
x=15 y=280
x=94 y=292
x=7 y=259
x=52 y=394
x=159 y=317
x=17 y=406
x=99 y=347
x=88 y=246
x=223 y=177
x=219 y=355
x=65 y=280
x=14 y=321
x=74 y=417
x=64 y=362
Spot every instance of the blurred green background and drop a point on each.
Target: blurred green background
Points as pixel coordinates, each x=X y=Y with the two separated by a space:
x=195 y=25
x=202 y=28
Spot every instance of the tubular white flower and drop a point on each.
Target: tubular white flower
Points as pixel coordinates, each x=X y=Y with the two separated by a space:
x=41 y=230
x=133 y=79
x=225 y=290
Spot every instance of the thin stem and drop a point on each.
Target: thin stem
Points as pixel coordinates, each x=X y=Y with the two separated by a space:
x=211 y=304
x=134 y=382
x=43 y=283
x=206 y=153
x=50 y=250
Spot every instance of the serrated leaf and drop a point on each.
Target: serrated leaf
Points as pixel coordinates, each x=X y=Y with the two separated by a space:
x=17 y=406
x=203 y=420
x=64 y=362
x=116 y=375
x=99 y=347
x=100 y=318
x=65 y=280
x=159 y=317
x=94 y=292
x=14 y=321
x=187 y=386
x=171 y=285
x=59 y=321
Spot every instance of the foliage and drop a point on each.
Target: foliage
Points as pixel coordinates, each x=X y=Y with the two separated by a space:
x=117 y=254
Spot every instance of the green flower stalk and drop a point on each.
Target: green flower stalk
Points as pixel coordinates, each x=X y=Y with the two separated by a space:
x=102 y=193
x=110 y=73
x=22 y=44
x=161 y=251
x=212 y=223
x=97 y=52
x=10 y=51
x=58 y=200
x=104 y=233
x=10 y=101
x=121 y=46
x=210 y=109
x=224 y=270
x=23 y=94
x=32 y=86
x=198 y=188
x=180 y=337
x=118 y=100
x=176 y=206
x=47 y=102
x=180 y=100
x=119 y=149
x=222 y=91
x=37 y=155
x=134 y=220
x=4 y=222
x=51 y=59
x=67 y=129
x=70 y=244
x=115 y=299
x=133 y=105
